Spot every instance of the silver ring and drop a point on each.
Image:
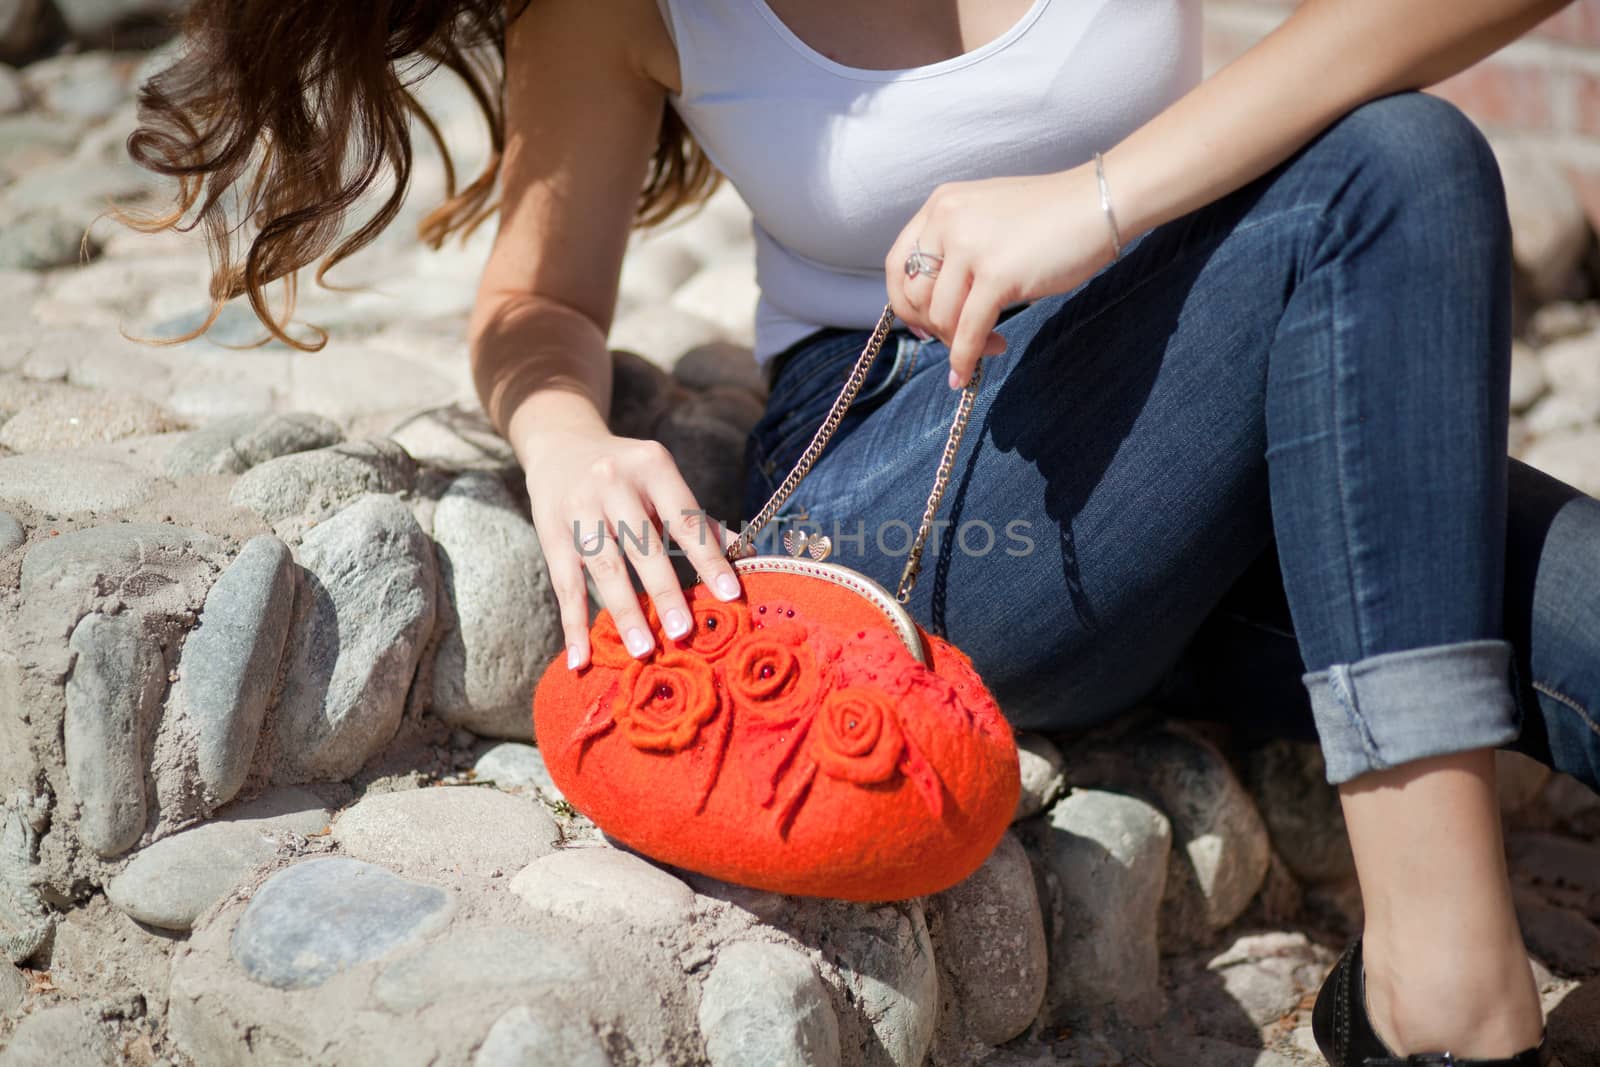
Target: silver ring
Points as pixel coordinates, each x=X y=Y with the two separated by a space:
x=592 y=543
x=920 y=262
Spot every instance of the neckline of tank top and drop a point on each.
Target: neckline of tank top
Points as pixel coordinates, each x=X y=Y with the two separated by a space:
x=929 y=70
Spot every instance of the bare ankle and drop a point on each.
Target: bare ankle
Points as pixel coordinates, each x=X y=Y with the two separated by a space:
x=1472 y=1000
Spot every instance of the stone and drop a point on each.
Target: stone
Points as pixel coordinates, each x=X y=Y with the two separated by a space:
x=541 y=1035
x=1574 y=1026
x=313 y=485
x=725 y=294
x=1042 y=778
x=25 y=25
x=365 y=610
x=315 y=919
x=477 y=962
x=512 y=765
x=94 y=20
x=1528 y=381
x=720 y=363
x=992 y=944
x=1304 y=820
x=234 y=445
x=600 y=885
x=885 y=962
x=229 y=665
x=461 y=829
x=507 y=622
x=13 y=990
x=66 y=1034
x=662 y=332
x=1558 y=936
x=1562 y=412
x=652 y=269
x=113 y=694
x=1573 y=457
x=172 y=882
x=1549 y=229
x=12 y=96
x=1251 y=984
x=1558 y=319
x=641 y=393
x=706 y=448
x=455 y=438
x=87 y=86
x=1105 y=858
x=43 y=240
x=1519 y=779
x=1551 y=860
x=1572 y=365
x=1220 y=844
x=64 y=483
x=76 y=418
x=11 y=535
x=764 y=1003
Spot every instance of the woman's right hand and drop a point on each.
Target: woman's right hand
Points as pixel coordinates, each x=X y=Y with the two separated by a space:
x=582 y=481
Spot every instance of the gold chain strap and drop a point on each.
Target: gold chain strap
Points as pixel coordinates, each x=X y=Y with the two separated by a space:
x=744 y=547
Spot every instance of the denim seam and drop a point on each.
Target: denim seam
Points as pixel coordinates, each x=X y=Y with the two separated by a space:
x=1140 y=282
x=1561 y=698
x=1343 y=690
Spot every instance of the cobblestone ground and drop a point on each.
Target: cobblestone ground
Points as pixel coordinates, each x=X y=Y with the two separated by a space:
x=253 y=601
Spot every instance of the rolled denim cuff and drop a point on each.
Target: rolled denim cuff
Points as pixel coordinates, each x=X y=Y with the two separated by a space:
x=1393 y=708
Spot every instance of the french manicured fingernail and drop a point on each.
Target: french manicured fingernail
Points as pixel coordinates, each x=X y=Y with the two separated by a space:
x=955 y=379
x=574 y=657
x=677 y=622
x=727 y=587
x=638 y=641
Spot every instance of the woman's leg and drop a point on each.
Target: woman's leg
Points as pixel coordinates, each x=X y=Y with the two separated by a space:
x=1336 y=331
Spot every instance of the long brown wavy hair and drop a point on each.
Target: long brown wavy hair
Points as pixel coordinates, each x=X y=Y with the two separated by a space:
x=279 y=114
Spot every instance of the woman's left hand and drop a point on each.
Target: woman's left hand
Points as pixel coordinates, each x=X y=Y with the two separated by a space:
x=1004 y=241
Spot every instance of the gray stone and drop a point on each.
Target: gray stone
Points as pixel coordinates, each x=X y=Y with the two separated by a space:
x=477 y=962
x=462 y=829
x=312 y=485
x=65 y=483
x=992 y=944
x=75 y=418
x=720 y=363
x=25 y=924
x=86 y=86
x=311 y=921
x=705 y=447
x=661 y=333
x=43 y=240
x=1105 y=857
x=1254 y=982
x=1574 y=1026
x=723 y=293
x=1573 y=457
x=455 y=438
x=652 y=269
x=885 y=960
x=11 y=535
x=541 y=1035
x=1042 y=780
x=1304 y=820
x=170 y=883
x=598 y=884
x=1554 y=861
x=1572 y=365
x=1528 y=382
x=1562 y=413
x=69 y=1034
x=12 y=98
x=13 y=990
x=229 y=665
x=94 y=20
x=113 y=694
x=763 y=1003
x=1558 y=936
x=641 y=393
x=507 y=621
x=1548 y=225
x=234 y=445
x=364 y=612
x=512 y=765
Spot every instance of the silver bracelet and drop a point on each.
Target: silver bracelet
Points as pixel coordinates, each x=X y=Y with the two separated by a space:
x=1105 y=205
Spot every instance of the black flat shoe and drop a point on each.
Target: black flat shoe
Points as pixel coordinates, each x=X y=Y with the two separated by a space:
x=1344 y=1033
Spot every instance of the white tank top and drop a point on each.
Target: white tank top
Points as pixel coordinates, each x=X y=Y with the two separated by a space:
x=834 y=160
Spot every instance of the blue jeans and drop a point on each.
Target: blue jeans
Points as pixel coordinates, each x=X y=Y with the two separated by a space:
x=1255 y=470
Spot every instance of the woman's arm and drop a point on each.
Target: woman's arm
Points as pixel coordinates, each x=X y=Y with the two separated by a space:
x=582 y=116
x=1008 y=240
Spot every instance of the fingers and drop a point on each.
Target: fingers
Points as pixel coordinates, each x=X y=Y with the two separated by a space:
x=702 y=538
x=973 y=335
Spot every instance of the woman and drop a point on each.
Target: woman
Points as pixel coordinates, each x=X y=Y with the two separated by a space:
x=1258 y=351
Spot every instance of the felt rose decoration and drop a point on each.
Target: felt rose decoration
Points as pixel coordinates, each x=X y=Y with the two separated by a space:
x=772 y=672
x=857 y=736
x=662 y=702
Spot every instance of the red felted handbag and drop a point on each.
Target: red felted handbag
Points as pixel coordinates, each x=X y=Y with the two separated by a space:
x=809 y=738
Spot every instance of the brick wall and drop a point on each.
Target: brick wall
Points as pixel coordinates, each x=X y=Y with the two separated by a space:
x=1543 y=89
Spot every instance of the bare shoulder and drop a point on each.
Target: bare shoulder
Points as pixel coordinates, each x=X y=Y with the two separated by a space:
x=632 y=32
